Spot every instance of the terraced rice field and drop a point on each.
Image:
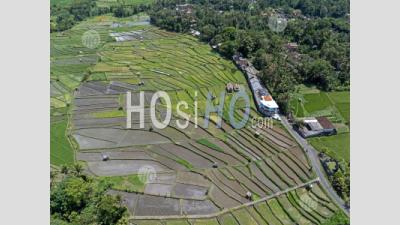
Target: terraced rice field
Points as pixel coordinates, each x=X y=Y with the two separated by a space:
x=294 y=207
x=110 y=3
x=202 y=174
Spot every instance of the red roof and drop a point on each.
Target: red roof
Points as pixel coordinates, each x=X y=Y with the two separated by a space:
x=267 y=97
x=325 y=123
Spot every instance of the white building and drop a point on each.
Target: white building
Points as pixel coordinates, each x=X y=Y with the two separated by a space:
x=269 y=105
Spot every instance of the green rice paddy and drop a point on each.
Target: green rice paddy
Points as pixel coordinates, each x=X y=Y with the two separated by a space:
x=187 y=70
x=61 y=151
x=109 y=114
x=209 y=144
x=336 y=146
x=334 y=105
x=309 y=102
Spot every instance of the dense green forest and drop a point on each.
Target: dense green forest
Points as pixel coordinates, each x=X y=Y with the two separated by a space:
x=319 y=32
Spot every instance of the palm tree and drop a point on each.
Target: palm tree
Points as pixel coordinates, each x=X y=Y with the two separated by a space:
x=78 y=168
x=64 y=169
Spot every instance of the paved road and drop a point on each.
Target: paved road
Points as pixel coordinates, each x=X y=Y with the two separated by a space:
x=313 y=156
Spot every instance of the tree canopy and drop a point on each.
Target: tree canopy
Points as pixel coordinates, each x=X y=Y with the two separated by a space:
x=319 y=29
x=78 y=199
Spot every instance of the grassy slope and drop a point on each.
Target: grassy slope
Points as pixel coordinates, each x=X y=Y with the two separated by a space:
x=61 y=151
x=316 y=102
x=337 y=146
x=335 y=105
x=342 y=103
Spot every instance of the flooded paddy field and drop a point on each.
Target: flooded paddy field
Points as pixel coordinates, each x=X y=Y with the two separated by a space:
x=196 y=171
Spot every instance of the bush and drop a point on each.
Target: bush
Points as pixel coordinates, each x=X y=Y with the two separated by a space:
x=339 y=218
x=84 y=201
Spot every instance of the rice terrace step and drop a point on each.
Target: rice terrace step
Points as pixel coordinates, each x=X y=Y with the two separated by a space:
x=110 y=73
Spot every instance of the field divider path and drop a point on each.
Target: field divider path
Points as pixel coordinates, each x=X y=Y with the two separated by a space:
x=313 y=156
x=212 y=215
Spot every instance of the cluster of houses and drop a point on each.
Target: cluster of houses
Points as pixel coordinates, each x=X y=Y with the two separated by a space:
x=291 y=46
x=292 y=54
x=194 y=32
x=184 y=8
x=216 y=46
x=264 y=102
x=316 y=126
x=187 y=10
x=295 y=14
